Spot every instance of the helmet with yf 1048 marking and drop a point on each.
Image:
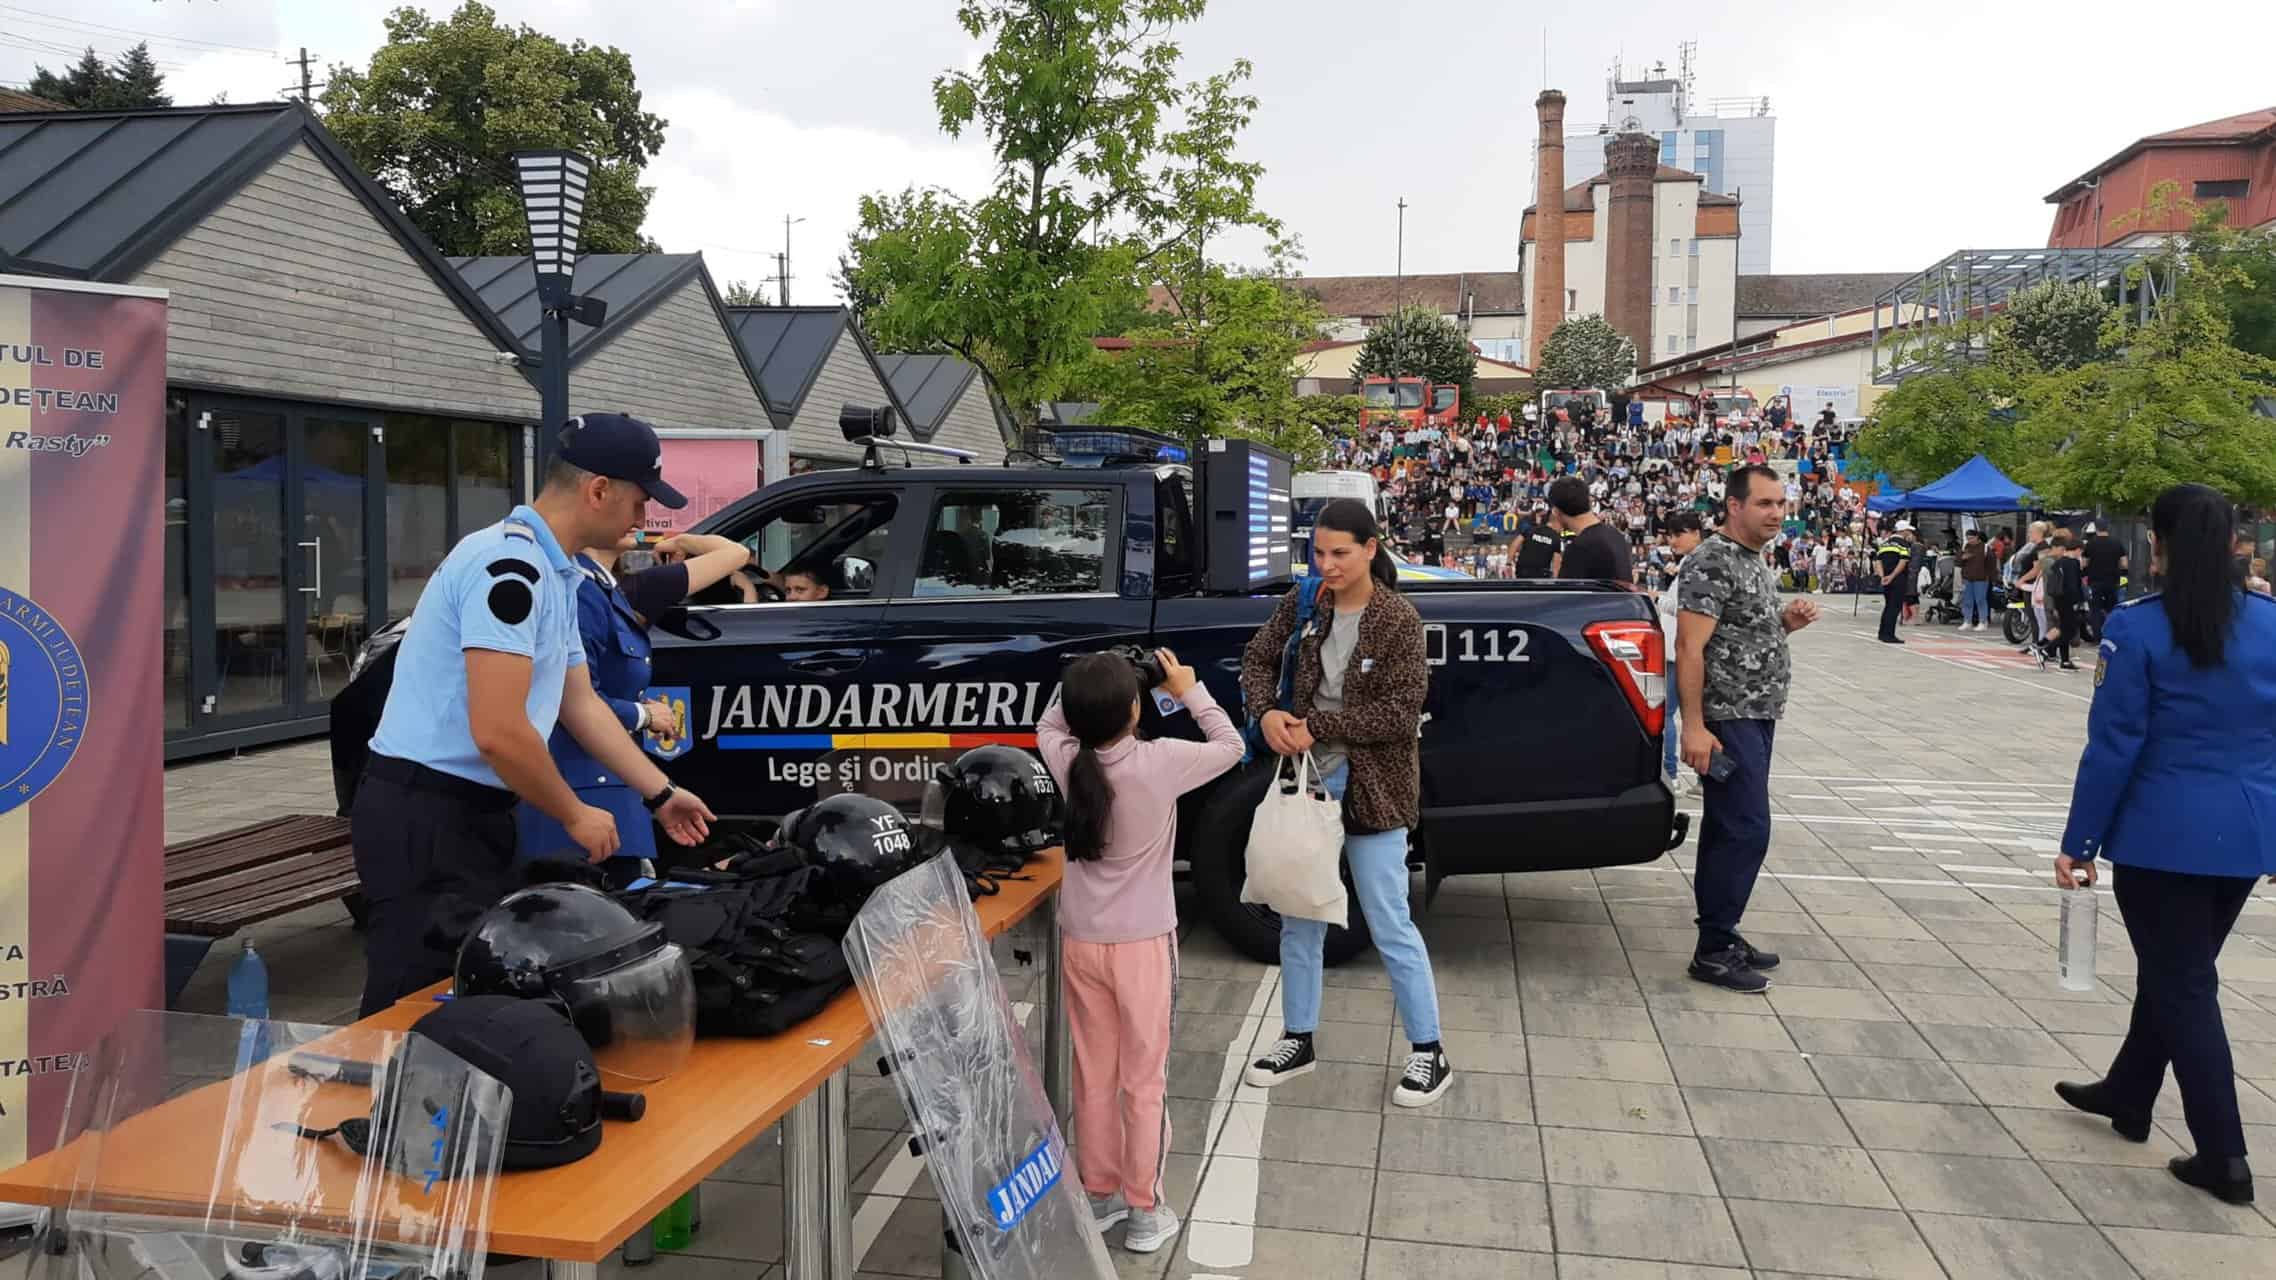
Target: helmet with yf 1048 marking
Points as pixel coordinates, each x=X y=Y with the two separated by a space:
x=855 y=843
x=996 y=798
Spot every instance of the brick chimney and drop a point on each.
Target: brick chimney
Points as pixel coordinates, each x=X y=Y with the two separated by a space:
x=1547 y=307
x=1631 y=160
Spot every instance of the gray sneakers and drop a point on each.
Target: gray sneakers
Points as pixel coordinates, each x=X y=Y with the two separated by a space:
x=1149 y=1229
x=1108 y=1210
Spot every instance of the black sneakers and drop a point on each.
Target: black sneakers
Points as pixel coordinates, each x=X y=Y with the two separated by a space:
x=1425 y=1078
x=1728 y=969
x=1758 y=960
x=1291 y=1057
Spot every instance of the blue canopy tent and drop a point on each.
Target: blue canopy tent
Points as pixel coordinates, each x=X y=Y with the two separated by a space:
x=1974 y=486
x=1886 y=501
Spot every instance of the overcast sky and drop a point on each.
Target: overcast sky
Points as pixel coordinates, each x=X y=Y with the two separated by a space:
x=1903 y=134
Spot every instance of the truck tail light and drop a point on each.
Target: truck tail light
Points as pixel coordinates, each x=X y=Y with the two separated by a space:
x=1637 y=657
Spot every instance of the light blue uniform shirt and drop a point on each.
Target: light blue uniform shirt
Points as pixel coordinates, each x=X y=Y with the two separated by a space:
x=510 y=589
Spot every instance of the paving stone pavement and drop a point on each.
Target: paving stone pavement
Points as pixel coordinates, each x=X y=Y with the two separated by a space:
x=1885 y=1111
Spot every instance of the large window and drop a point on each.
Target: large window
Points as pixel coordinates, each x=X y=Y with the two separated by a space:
x=2227 y=189
x=445 y=479
x=839 y=541
x=1015 y=542
x=177 y=637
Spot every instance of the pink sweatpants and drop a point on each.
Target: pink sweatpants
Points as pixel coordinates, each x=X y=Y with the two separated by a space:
x=1119 y=999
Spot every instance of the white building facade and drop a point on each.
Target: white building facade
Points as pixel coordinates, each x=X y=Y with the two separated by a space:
x=1731 y=143
x=1695 y=263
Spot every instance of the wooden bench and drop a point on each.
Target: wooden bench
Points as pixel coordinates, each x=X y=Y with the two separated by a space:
x=218 y=884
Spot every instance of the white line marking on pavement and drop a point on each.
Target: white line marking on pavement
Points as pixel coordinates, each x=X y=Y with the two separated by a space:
x=1913 y=848
x=1988 y=871
x=1220 y=1231
x=1881 y=783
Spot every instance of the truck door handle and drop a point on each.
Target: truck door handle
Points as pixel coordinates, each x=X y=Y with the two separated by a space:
x=828 y=664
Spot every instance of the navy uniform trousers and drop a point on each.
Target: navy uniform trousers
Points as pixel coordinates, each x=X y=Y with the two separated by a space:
x=433 y=851
x=2177 y=922
x=1734 y=830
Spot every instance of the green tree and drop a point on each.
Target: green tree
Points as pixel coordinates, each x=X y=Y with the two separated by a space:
x=1419 y=342
x=1104 y=162
x=1224 y=364
x=1934 y=421
x=131 y=82
x=2175 y=405
x=742 y=293
x=445 y=103
x=1586 y=351
x=2053 y=325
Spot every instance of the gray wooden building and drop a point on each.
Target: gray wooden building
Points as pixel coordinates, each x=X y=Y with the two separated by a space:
x=811 y=362
x=947 y=402
x=665 y=351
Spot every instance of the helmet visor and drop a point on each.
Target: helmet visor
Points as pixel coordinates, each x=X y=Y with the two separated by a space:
x=934 y=812
x=639 y=1015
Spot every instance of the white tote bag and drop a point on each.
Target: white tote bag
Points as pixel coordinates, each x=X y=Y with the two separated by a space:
x=1296 y=847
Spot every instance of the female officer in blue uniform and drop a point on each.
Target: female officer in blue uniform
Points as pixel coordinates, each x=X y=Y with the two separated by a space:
x=2178 y=789
x=612 y=623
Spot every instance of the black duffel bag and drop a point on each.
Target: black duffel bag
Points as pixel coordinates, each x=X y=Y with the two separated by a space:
x=756 y=972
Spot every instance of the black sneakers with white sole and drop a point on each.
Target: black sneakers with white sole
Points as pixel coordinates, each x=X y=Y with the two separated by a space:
x=1425 y=1079
x=1291 y=1056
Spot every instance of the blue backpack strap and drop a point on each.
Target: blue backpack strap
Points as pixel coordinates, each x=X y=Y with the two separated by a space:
x=1307 y=604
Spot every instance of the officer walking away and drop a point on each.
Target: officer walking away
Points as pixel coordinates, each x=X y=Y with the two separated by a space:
x=1895 y=557
x=1597 y=550
x=2177 y=788
x=2105 y=572
x=1732 y=674
x=490 y=663
x=1537 y=551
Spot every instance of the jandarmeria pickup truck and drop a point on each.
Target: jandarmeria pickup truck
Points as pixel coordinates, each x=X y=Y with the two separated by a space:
x=958 y=591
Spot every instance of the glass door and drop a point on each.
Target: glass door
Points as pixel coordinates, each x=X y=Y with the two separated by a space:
x=282 y=562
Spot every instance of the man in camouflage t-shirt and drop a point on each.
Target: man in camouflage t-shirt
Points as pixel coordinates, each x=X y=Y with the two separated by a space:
x=1732 y=674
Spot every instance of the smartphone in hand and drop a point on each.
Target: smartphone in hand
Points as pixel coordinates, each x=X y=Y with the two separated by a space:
x=1720 y=767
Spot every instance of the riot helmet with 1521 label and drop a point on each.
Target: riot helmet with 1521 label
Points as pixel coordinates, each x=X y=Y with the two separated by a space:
x=626 y=987
x=999 y=799
x=854 y=843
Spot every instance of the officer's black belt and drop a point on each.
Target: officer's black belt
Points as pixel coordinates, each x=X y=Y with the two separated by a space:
x=419 y=777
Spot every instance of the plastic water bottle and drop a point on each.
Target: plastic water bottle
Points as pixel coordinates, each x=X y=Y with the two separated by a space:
x=2079 y=913
x=249 y=1000
x=674 y=1228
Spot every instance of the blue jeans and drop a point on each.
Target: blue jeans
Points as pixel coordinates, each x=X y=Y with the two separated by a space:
x=1378 y=864
x=1975 y=603
x=1671 y=732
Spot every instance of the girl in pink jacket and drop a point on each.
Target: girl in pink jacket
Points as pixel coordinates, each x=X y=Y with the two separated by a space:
x=1118 y=921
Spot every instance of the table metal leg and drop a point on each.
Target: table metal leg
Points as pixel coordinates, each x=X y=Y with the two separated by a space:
x=555 y=1269
x=816 y=1228
x=1058 y=1049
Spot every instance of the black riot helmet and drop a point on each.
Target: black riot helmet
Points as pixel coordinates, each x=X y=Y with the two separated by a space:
x=626 y=987
x=855 y=843
x=1000 y=799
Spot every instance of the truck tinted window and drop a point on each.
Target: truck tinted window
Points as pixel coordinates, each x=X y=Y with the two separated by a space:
x=1015 y=542
x=840 y=539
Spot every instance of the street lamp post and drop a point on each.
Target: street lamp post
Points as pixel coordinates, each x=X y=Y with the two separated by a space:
x=552 y=186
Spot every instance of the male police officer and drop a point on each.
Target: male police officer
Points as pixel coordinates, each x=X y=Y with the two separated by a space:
x=1895 y=555
x=490 y=662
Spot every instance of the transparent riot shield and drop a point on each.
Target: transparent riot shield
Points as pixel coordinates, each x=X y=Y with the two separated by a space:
x=962 y=1067
x=202 y=1148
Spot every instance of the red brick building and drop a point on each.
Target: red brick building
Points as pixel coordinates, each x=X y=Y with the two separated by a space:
x=2231 y=160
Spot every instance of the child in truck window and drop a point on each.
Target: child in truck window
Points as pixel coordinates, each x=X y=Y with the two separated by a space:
x=1119 y=921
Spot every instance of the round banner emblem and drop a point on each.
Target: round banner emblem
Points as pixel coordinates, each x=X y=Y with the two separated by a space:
x=43 y=699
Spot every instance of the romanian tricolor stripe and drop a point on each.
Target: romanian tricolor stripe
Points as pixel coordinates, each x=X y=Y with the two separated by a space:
x=869 y=741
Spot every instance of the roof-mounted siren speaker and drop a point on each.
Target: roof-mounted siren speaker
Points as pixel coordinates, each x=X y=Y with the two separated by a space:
x=860 y=423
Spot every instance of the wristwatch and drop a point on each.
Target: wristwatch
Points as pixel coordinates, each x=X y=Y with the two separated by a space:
x=661 y=798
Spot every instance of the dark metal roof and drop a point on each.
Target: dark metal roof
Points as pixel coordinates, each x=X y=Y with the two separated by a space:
x=630 y=283
x=95 y=195
x=786 y=347
x=1822 y=294
x=927 y=387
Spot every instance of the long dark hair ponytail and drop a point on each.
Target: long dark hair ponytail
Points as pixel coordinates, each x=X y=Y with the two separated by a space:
x=1096 y=695
x=1350 y=515
x=2196 y=535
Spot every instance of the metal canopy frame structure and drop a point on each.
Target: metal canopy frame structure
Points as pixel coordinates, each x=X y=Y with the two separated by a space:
x=1975 y=282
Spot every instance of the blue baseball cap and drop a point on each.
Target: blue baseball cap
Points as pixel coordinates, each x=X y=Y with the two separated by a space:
x=620 y=447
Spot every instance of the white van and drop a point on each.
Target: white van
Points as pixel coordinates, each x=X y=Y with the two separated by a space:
x=1308 y=491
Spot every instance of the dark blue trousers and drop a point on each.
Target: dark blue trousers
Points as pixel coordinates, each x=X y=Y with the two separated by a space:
x=2178 y=922
x=1734 y=830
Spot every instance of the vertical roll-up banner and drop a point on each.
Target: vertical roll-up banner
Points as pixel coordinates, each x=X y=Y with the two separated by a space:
x=82 y=796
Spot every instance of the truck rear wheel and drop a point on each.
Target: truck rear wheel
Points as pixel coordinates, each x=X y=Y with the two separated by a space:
x=1219 y=859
